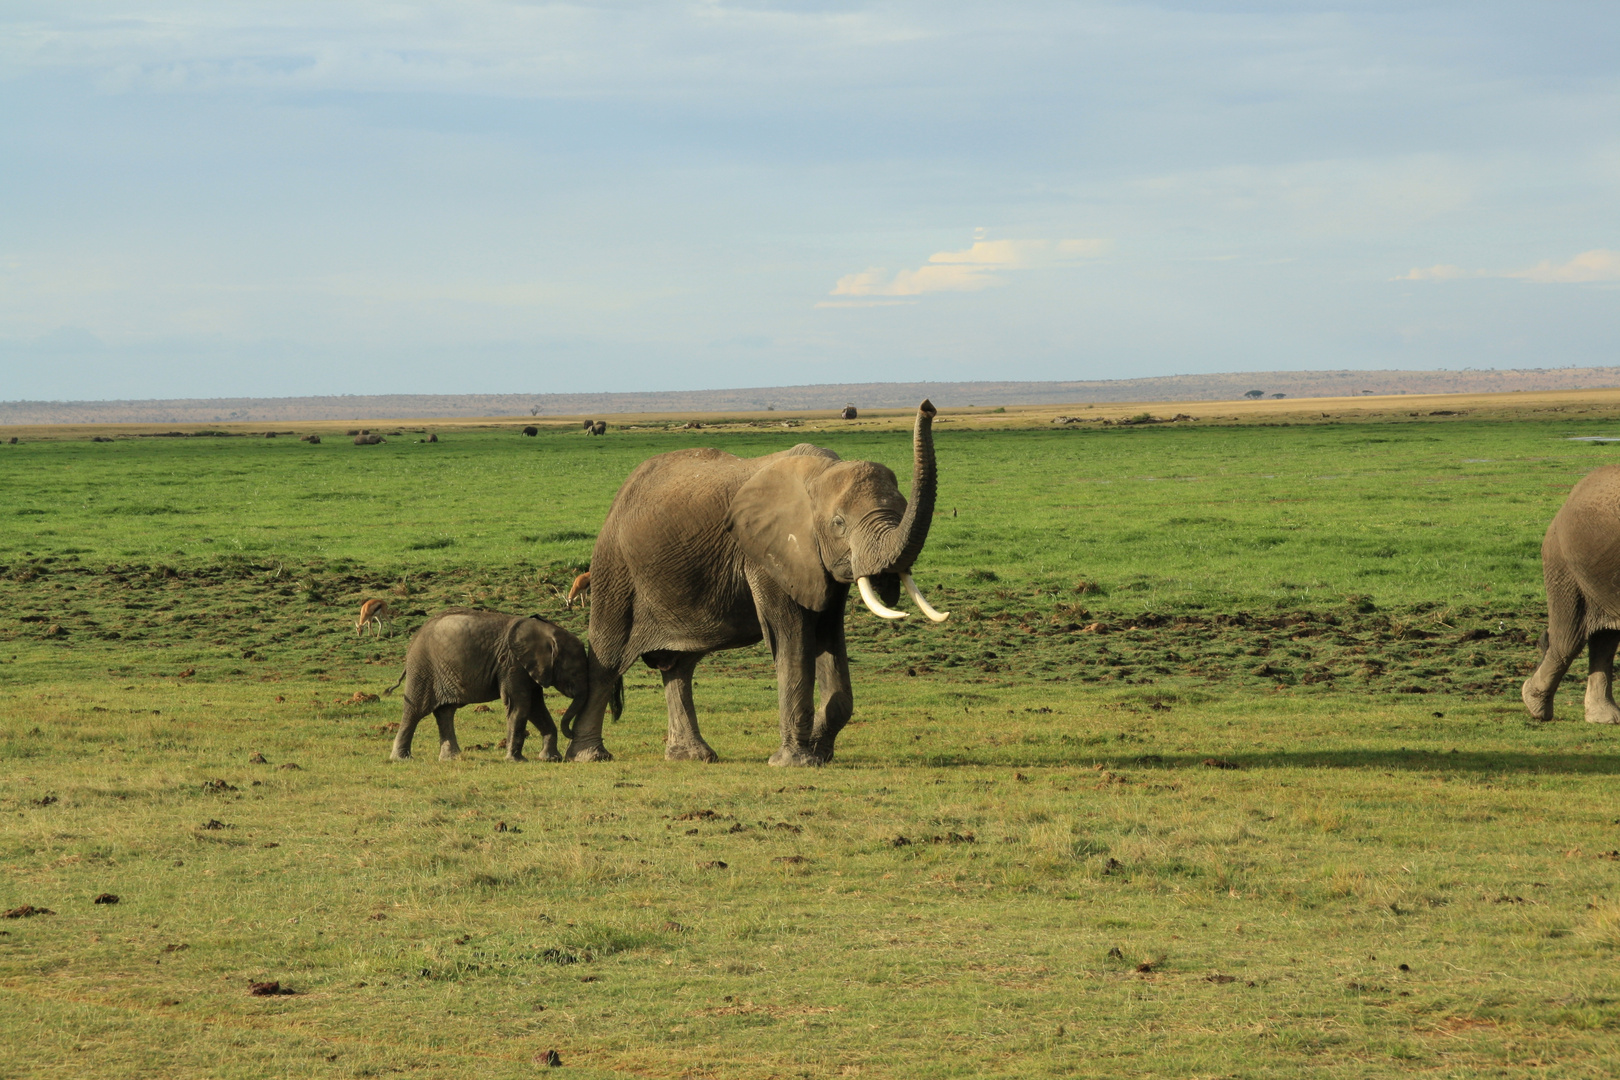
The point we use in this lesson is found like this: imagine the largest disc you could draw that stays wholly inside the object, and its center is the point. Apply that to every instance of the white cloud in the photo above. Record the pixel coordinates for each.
(1438, 272)
(971, 270)
(1599, 264)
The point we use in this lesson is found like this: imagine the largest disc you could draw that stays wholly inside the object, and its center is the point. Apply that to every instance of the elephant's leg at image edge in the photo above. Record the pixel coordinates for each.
(1566, 617)
(1599, 705)
(684, 742)
(449, 749)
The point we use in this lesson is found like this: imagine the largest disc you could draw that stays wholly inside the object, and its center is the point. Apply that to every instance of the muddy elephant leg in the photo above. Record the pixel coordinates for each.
(1566, 619)
(1600, 706)
(449, 749)
(684, 741)
(792, 640)
(407, 728)
(832, 681)
(586, 743)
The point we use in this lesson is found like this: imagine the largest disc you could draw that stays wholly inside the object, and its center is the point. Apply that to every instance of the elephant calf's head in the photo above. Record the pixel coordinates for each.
(554, 657)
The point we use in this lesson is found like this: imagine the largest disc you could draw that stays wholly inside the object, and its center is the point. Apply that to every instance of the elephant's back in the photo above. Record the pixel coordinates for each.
(455, 653)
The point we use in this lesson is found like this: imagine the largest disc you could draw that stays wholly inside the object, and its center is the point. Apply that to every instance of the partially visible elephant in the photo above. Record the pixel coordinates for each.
(461, 657)
(368, 440)
(1580, 563)
(596, 427)
(704, 551)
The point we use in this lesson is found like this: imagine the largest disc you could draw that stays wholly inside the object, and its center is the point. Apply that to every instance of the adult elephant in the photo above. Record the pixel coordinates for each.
(704, 551)
(1580, 563)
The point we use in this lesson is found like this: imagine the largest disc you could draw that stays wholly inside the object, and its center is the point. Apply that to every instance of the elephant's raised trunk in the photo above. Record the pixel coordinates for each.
(905, 543)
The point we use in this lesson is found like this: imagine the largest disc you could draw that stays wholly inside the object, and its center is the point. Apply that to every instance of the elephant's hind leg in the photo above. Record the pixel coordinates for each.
(1566, 617)
(449, 749)
(684, 742)
(1600, 706)
(407, 728)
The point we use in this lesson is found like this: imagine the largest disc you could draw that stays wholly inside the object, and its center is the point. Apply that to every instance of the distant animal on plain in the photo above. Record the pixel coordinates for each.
(531, 431)
(1580, 565)
(578, 589)
(599, 427)
(588, 425)
(849, 413)
(368, 440)
(372, 614)
(313, 440)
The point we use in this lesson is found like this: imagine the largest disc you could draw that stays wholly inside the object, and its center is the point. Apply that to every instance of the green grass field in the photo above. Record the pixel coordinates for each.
(1218, 769)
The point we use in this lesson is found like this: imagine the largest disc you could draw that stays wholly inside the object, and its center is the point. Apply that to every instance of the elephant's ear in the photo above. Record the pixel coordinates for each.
(773, 521)
(534, 648)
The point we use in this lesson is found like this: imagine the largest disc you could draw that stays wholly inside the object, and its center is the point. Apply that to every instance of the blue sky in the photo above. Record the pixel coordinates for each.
(216, 199)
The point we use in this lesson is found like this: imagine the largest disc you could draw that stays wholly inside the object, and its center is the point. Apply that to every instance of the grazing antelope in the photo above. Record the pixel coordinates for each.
(578, 589)
(372, 613)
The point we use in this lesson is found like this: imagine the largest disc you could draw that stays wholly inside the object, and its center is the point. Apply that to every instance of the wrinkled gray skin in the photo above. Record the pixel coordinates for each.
(704, 551)
(1580, 562)
(461, 657)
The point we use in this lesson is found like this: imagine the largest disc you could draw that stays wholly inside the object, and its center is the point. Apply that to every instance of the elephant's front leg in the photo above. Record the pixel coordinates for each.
(795, 650)
(585, 744)
(832, 680)
(449, 749)
(684, 741)
(1600, 706)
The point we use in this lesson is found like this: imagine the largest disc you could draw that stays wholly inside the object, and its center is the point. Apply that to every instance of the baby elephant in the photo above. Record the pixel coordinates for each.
(460, 657)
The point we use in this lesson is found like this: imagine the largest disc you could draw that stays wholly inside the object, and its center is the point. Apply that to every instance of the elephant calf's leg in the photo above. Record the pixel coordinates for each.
(684, 742)
(1600, 706)
(449, 749)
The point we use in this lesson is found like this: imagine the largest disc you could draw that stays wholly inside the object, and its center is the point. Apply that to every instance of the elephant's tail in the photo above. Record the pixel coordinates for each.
(616, 702)
(401, 679)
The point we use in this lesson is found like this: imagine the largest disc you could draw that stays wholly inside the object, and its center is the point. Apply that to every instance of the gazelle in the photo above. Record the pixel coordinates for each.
(372, 613)
(578, 589)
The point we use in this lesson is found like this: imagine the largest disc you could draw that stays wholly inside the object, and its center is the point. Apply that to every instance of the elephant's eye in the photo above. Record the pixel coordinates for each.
(838, 523)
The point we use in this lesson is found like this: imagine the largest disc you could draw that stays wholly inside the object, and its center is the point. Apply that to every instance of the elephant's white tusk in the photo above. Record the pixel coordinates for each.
(921, 601)
(874, 603)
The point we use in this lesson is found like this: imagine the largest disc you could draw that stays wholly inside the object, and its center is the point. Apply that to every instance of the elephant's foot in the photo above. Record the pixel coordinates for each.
(692, 751)
(797, 757)
(589, 752)
(1602, 712)
(1537, 703)
(449, 752)
(399, 755)
(510, 756)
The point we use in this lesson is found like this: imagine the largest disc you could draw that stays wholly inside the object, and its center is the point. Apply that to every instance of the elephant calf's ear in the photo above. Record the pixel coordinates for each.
(773, 520)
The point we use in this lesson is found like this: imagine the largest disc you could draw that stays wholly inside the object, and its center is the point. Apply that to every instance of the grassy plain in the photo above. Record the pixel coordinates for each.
(1217, 770)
